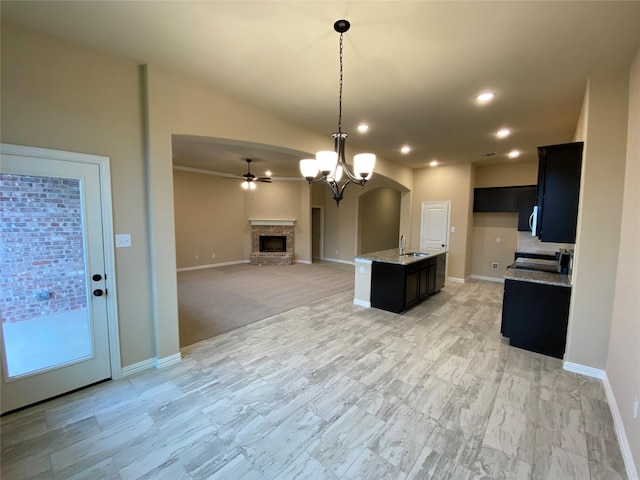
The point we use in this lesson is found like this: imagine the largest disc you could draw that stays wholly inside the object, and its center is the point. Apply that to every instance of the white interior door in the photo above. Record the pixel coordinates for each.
(55, 332)
(434, 229)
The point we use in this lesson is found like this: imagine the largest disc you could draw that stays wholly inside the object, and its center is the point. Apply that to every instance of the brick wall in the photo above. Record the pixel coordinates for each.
(41, 247)
(271, 258)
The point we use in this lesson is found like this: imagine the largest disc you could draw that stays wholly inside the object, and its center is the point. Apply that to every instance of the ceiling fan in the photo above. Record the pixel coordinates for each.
(250, 178)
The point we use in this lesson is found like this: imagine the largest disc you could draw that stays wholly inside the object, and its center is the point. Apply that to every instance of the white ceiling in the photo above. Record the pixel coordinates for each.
(412, 68)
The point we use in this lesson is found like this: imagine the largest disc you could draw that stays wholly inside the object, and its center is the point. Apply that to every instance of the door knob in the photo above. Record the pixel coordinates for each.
(96, 277)
(98, 292)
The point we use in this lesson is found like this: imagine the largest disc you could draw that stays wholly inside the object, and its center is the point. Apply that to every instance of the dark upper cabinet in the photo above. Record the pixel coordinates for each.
(495, 199)
(559, 191)
(526, 201)
(484, 199)
(507, 199)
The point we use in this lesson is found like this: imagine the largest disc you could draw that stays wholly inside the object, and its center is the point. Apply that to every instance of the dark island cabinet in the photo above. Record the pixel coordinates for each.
(559, 169)
(535, 316)
(396, 287)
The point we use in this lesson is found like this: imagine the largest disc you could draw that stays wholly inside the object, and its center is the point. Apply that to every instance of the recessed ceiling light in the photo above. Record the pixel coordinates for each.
(503, 133)
(485, 97)
(363, 127)
(434, 163)
(406, 149)
(268, 173)
(514, 154)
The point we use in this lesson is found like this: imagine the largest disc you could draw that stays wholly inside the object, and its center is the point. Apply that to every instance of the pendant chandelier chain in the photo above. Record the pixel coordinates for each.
(340, 97)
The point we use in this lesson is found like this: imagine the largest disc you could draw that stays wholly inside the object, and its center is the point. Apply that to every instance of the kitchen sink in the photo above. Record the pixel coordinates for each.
(414, 254)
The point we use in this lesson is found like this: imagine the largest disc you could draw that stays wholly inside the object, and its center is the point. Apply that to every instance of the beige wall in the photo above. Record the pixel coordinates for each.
(599, 220)
(623, 360)
(447, 183)
(61, 96)
(487, 227)
(507, 175)
(210, 219)
(212, 216)
(379, 220)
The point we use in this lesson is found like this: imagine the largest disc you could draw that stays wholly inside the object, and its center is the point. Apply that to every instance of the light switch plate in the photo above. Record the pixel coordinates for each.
(123, 240)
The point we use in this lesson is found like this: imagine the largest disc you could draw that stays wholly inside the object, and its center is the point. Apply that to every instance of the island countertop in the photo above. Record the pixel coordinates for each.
(393, 256)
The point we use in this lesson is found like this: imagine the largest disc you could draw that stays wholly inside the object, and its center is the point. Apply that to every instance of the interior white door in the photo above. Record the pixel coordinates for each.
(434, 229)
(55, 332)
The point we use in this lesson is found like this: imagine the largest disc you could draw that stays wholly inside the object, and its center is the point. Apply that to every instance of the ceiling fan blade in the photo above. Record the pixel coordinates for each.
(263, 179)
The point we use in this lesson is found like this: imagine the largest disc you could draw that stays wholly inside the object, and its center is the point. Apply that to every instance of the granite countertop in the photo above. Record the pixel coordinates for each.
(393, 256)
(555, 279)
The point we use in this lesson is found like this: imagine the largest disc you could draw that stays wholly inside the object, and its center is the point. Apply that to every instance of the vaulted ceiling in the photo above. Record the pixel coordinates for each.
(412, 69)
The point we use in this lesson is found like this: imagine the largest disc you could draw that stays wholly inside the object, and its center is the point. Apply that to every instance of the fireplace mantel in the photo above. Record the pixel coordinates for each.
(269, 223)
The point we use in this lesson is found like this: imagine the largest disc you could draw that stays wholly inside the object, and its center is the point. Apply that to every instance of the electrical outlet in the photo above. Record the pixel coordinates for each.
(498, 239)
(495, 266)
(635, 408)
(197, 257)
(213, 255)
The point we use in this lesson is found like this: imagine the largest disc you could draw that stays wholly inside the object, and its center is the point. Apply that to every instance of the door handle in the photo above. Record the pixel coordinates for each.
(98, 292)
(96, 277)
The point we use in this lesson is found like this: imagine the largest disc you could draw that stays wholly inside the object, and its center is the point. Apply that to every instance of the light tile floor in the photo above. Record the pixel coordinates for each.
(332, 390)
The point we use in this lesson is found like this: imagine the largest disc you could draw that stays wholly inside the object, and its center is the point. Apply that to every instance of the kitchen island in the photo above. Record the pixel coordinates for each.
(394, 281)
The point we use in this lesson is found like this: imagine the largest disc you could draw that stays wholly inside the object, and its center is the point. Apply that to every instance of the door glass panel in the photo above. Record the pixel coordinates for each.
(43, 291)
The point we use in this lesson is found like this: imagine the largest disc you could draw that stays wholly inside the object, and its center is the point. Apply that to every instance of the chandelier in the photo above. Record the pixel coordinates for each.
(332, 165)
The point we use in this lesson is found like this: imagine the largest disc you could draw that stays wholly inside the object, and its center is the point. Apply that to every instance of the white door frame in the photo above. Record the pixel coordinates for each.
(424, 205)
(103, 164)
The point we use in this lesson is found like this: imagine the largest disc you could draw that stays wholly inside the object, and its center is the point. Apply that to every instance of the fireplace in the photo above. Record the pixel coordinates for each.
(273, 243)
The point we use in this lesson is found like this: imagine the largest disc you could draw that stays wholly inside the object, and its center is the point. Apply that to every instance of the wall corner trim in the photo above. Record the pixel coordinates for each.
(629, 464)
(150, 363)
(583, 370)
(361, 303)
(167, 361)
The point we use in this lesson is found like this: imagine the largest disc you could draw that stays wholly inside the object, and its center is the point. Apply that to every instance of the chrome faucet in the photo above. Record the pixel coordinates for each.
(403, 243)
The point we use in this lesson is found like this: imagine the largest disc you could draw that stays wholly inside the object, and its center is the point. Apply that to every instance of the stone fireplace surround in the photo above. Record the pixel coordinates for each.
(271, 227)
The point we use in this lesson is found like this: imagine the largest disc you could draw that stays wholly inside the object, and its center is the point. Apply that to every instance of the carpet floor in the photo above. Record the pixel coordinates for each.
(217, 300)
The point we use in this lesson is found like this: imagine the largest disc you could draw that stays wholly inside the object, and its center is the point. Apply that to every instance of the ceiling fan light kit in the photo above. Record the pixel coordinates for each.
(331, 165)
(249, 182)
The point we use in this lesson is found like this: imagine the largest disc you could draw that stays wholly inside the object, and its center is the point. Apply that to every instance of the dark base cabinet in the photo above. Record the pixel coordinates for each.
(535, 315)
(397, 287)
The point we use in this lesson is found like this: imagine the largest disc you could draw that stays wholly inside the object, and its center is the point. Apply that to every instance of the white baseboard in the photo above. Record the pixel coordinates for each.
(632, 472)
(583, 370)
(150, 363)
(336, 260)
(167, 361)
(211, 265)
(362, 303)
(138, 367)
(489, 279)
(307, 262)
(455, 280)
(629, 464)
